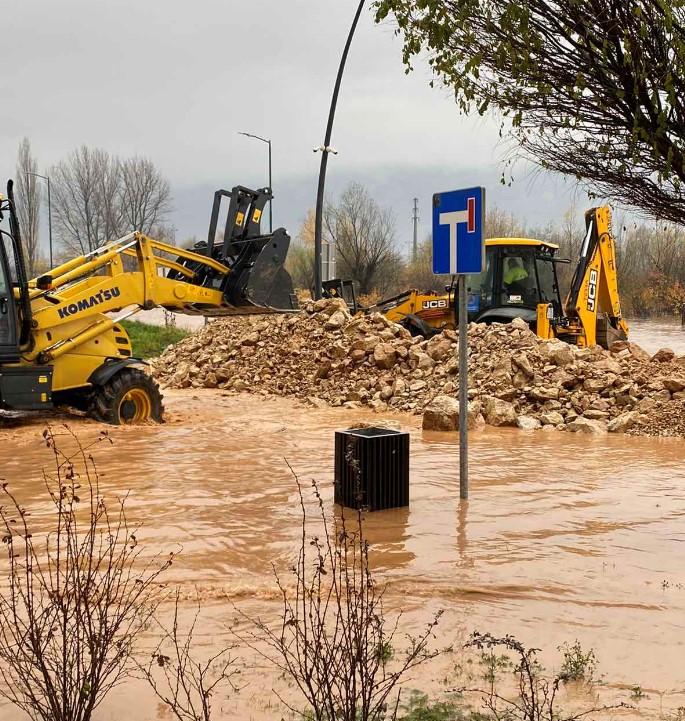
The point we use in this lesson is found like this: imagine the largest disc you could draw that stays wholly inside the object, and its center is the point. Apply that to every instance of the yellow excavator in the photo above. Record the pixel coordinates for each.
(61, 338)
(520, 281)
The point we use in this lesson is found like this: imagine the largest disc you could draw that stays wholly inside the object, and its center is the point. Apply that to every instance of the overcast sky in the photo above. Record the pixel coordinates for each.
(175, 80)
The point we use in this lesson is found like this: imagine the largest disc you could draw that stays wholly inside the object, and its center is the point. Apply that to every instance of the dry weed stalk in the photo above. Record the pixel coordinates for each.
(333, 639)
(179, 679)
(75, 597)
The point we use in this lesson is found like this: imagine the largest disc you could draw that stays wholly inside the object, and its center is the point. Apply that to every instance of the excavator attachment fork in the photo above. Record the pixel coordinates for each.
(257, 281)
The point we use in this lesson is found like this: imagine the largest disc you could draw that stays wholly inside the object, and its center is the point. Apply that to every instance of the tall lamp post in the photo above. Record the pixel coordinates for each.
(325, 149)
(46, 178)
(271, 210)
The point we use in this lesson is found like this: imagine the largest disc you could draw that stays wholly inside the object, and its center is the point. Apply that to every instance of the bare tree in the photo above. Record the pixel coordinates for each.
(28, 204)
(182, 680)
(144, 195)
(364, 236)
(81, 184)
(333, 639)
(76, 597)
(99, 197)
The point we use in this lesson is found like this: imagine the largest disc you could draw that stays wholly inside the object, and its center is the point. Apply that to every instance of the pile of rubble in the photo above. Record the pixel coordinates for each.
(327, 357)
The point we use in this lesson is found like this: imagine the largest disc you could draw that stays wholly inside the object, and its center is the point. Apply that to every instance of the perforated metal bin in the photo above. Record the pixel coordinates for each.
(372, 468)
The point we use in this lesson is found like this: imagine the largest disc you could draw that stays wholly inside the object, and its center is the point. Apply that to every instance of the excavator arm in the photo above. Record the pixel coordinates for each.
(593, 306)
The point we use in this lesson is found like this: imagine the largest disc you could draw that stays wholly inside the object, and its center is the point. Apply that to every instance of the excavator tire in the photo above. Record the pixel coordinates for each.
(129, 397)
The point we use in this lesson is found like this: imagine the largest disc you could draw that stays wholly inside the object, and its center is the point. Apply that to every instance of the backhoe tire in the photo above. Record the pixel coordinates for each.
(129, 397)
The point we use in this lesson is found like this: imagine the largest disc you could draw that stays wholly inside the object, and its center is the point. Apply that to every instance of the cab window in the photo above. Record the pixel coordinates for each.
(548, 290)
(518, 278)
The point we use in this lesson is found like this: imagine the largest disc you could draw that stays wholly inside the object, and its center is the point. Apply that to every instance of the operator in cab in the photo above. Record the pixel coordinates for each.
(515, 272)
(517, 278)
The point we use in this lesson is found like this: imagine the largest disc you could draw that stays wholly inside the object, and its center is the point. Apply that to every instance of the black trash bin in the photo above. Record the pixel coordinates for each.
(372, 468)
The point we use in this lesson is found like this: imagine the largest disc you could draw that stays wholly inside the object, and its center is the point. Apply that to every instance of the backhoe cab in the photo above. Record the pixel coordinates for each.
(519, 275)
(61, 338)
(520, 280)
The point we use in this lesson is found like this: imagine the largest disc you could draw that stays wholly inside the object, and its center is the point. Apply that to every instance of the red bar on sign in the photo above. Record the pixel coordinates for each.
(471, 207)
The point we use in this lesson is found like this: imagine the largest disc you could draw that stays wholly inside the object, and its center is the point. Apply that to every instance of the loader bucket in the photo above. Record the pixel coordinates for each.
(256, 281)
(259, 280)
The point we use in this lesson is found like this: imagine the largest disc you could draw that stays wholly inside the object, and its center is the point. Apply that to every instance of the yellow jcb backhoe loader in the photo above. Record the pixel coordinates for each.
(59, 341)
(520, 281)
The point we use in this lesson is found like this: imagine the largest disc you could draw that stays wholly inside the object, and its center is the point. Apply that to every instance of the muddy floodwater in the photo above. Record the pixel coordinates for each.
(565, 537)
(653, 334)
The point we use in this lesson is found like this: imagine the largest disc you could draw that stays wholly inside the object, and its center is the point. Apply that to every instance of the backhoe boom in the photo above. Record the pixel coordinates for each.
(593, 306)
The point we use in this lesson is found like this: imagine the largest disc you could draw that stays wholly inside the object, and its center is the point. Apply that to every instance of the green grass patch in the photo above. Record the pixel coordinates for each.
(150, 340)
(420, 708)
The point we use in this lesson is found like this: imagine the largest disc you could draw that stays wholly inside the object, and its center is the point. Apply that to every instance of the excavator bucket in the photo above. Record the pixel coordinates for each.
(258, 281)
(268, 283)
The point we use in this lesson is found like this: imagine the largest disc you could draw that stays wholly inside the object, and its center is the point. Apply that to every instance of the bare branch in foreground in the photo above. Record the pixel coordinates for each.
(75, 598)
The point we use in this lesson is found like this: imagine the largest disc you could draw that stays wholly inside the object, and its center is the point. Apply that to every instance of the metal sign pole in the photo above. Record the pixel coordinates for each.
(463, 391)
(459, 249)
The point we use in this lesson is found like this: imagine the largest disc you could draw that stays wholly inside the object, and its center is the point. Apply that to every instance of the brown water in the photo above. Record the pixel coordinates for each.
(564, 537)
(653, 334)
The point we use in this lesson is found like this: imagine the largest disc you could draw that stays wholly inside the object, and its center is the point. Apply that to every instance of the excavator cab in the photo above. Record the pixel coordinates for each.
(15, 310)
(519, 275)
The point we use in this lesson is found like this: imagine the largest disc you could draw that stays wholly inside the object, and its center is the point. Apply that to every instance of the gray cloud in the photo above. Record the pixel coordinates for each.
(175, 80)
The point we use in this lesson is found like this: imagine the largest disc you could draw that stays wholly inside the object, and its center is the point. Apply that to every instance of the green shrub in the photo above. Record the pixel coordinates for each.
(578, 665)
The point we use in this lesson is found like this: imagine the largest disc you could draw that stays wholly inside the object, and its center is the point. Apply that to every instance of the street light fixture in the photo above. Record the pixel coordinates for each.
(271, 210)
(46, 178)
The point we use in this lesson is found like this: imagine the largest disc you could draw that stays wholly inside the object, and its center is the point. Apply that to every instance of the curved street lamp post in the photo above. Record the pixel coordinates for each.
(325, 149)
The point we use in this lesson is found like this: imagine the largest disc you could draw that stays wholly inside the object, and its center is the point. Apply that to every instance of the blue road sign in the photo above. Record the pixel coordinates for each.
(458, 220)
